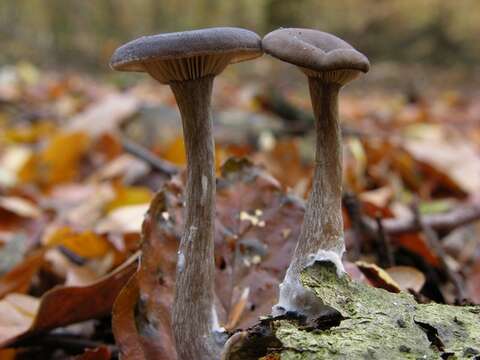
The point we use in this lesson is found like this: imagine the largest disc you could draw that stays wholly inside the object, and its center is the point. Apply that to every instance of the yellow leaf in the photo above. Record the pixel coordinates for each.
(130, 195)
(86, 244)
(30, 134)
(59, 161)
(175, 152)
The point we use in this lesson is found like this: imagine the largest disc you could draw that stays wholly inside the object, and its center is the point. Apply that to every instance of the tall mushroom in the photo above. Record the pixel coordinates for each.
(329, 63)
(188, 62)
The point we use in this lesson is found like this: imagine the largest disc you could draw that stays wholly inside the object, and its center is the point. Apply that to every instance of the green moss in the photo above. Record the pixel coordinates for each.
(379, 324)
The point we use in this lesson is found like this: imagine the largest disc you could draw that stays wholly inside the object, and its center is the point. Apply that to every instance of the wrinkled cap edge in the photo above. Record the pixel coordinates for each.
(283, 45)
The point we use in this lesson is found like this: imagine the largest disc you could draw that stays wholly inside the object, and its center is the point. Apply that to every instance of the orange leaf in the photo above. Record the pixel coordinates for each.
(175, 152)
(59, 161)
(85, 244)
(130, 195)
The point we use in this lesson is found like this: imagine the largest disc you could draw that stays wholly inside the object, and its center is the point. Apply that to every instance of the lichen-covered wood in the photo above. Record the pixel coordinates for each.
(373, 324)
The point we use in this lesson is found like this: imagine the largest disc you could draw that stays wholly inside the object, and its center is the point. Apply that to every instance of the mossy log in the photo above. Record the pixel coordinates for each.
(362, 322)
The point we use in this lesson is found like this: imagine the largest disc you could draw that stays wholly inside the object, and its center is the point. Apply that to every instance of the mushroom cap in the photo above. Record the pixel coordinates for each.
(314, 50)
(239, 44)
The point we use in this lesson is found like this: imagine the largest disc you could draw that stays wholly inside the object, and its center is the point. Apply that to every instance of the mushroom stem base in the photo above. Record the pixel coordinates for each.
(322, 229)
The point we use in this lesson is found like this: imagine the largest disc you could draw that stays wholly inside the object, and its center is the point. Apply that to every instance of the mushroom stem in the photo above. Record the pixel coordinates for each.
(321, 236)
(193, 312)
(323, 225)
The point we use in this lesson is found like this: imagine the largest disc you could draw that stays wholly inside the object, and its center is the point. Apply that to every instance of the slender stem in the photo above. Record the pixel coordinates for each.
(323, 225)
(194, 296)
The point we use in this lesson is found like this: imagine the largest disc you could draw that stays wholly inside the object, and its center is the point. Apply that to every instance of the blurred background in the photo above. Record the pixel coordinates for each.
(83, 34)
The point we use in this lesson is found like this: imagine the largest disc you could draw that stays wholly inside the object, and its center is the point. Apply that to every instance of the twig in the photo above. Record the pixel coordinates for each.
(352, 205)
(462, 215)
(146, 155)
(68, 342)
(298, 121)
(386, 254)
(436, 246)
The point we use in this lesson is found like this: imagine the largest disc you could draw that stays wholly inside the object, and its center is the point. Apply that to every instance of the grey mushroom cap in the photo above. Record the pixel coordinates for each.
(236, 43)
(314, 50)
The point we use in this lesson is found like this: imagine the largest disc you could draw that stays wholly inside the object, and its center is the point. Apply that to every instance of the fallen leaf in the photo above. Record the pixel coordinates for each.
(58, 162)
(125, 166)
(449, 158)
(407, 277)
(86, 244)
(124, 324)
(18, 279)
(63, 306)
(17, 313)
(84, 205)
(100, 353)
(12, 160)
(126, 219)
(105, 115)
(378, 277)
(129, 195)
(19, 206)
(12, 253)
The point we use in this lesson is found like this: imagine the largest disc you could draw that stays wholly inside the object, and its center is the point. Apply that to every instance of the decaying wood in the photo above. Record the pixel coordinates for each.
(363, 323)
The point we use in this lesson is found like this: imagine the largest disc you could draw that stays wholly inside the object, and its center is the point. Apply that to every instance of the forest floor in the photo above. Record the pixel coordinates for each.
(81, 160)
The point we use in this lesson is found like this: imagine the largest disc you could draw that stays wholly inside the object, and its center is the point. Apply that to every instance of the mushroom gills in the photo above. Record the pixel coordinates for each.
(188, 68)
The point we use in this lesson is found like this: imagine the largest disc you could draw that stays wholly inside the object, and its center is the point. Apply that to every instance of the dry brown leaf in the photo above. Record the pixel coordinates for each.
(100, 353)
(124, 323)
(407, 277)
(105, 115)
(378, 277)
(18, 279)
(63, 306)
(448, 157)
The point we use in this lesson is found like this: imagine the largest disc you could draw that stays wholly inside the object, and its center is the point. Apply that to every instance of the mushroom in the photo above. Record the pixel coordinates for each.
(329, 63)
(188, 62)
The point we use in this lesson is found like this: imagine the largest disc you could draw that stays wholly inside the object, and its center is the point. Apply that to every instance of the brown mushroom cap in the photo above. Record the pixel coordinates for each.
(189, 54)
(314, 51)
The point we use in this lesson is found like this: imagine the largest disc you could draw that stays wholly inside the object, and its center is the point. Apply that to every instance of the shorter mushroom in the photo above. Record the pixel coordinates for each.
(188, 62)
(329, 63)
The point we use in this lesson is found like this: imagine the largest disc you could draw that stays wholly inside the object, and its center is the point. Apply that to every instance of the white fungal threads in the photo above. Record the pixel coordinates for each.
(327, 255)
(253, 219)
(181, 262)
(165, 216)
(204, 181)
(294, 297)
